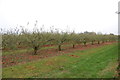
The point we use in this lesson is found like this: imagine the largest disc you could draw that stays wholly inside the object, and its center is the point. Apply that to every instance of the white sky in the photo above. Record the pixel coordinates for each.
(78, 15)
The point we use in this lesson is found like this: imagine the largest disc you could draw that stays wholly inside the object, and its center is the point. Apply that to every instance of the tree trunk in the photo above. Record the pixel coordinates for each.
(85, 43)
(19, 43)
(92, 42)
(59, 47)
(73, 46)
(98, 42)
(35, 50)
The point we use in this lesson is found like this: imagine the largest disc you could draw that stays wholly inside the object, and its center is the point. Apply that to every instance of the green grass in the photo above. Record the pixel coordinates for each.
(19, 51)
(15, 51)
(99, 62)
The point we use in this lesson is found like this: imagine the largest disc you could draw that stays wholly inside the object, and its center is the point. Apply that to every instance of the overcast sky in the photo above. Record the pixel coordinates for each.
(78, 15)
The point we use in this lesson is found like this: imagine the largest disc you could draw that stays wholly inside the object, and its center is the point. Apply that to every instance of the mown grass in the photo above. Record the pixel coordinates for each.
(19, 51)
(100, 62)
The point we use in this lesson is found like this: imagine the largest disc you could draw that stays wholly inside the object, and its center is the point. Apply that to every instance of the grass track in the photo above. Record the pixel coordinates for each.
(20, 51)
(98, 62)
